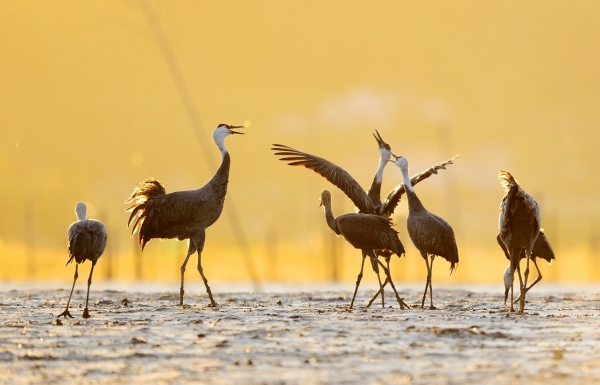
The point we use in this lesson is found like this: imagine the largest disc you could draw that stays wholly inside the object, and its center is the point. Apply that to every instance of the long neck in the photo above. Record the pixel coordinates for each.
(414, 203)
(330, 219)
(221, 178)
(375, 190)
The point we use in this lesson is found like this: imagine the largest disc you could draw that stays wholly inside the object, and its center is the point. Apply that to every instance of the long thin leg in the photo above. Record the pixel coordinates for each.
(389, 279)
(427, 283)
(431, 307)
(539, 278)
(199, 241)
(191, 250)
(519, 274)
(387, 260)
(86, 313)
(66, 312)
(358, 279)
(374, 264)
(524, 285)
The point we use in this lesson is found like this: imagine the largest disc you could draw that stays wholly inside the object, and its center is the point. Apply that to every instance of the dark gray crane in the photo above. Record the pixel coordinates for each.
(87, 241)
(430, 234)
(519, 223)
(368, 233)
(541, 249)
(182, 214)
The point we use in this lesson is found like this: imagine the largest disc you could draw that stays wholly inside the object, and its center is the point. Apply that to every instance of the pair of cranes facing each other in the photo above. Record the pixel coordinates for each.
(370, 230)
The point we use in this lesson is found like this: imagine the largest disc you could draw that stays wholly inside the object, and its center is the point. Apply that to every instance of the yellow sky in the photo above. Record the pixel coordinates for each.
(89, 107)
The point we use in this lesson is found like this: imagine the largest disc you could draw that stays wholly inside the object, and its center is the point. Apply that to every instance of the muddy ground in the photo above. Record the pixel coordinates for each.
(298, 337)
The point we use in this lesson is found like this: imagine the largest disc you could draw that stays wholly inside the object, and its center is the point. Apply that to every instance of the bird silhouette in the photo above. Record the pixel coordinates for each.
(519, 224)
(87, 241)
(182, 214)
(368, 233)
(430, 234)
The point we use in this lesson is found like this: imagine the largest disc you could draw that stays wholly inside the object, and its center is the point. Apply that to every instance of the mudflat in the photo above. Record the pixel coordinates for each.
(298, 337)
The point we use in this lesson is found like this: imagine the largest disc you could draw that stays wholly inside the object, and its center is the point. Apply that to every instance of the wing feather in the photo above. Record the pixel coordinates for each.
(333, 173)
(393, 198)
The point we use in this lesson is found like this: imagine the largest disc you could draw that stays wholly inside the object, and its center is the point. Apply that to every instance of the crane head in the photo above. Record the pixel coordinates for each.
(325, 198)
(400, 162)
(230, 128)
(383, 146)
(81, 210)
(507, 282)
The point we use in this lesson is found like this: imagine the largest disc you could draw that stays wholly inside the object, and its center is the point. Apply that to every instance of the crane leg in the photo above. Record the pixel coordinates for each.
(358, 279)
(424, 255)
(191, 250)
(389, 279)
(524, 285)
(86, 313)
(374, 264)
(199, 247)
(431, 307)
(384, 284)
(539, 278)
(66, 312)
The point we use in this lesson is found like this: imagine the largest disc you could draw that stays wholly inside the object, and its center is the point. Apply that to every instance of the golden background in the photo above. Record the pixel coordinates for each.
(96, 96)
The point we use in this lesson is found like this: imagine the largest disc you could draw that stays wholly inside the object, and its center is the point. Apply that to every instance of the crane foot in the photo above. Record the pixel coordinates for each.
(212, 304)
(65, 314)
(432, 307)
(86, 313)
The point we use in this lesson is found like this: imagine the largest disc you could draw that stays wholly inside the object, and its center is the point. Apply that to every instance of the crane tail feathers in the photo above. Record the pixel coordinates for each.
(506, 180)
(453, 267)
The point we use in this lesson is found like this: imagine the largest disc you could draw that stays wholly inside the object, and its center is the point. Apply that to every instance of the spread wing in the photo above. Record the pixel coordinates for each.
(334, 174)
(393, 198)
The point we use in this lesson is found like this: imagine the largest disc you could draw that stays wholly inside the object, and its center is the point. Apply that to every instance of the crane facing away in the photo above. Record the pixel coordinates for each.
(87, 241)
(541, 249)
(182, 214)
(430, 234)
(368, 233)
(519, 223)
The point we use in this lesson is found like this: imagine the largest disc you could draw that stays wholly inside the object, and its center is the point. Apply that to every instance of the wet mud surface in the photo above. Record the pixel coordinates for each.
(298, 338)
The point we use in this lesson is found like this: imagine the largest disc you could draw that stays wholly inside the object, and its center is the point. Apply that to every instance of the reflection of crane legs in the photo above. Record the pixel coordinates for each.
(66, 312)
(86, 313)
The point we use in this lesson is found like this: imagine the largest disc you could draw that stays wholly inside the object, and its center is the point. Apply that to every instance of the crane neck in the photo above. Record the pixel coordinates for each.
(329, 218)
(414, 203)
(375, 190)
(221, 178)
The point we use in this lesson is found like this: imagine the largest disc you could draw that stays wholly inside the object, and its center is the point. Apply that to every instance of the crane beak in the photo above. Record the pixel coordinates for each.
(320, 203)
(235, 132)
(379, 139)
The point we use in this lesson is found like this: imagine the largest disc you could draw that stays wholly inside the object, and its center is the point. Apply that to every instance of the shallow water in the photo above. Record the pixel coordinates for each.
(298, 337)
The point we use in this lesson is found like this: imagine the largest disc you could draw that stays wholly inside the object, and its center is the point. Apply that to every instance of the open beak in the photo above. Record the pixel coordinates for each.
(235, 132)
(379, 139)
